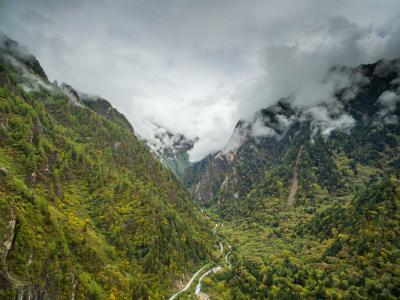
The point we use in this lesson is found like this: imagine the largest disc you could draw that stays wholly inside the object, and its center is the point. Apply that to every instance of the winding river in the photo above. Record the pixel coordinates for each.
(198, 286)
(189, 283)
(213, 270)
(226, 257)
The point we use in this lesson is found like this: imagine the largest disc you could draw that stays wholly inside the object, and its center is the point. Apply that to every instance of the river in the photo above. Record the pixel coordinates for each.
(215, 269)
(188, 284)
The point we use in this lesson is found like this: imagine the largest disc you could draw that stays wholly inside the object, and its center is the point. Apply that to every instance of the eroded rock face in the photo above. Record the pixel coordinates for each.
(8, 240)
(212, 179)
(5, 246)
(116, 145)
(203, 296)
(4, 171)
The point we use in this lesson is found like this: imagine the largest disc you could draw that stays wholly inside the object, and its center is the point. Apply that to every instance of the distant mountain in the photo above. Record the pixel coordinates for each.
(169, 148)
(86, 212)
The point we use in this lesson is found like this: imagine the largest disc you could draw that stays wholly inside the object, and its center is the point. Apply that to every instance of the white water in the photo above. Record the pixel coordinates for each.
(198, 286)
(215, 269)
(215, 228)
(188, 285)
(226, 257)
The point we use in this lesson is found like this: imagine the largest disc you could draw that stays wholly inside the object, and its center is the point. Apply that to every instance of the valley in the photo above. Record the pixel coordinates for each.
(200, 274)
(308, 214)
(302, 202)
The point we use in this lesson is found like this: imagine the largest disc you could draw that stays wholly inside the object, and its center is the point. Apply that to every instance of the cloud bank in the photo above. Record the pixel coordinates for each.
(197, 67)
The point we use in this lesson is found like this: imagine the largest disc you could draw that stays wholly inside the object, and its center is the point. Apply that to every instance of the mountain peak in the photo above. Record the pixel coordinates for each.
(12, 48)
(171, 149)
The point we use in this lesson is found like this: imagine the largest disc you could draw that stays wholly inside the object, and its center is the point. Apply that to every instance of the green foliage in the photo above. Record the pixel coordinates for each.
(341, 237)
(90, 219)
(349, 251)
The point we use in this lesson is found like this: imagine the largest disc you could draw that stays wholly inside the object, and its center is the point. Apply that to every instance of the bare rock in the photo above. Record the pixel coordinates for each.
(4, 171)
(116, 145)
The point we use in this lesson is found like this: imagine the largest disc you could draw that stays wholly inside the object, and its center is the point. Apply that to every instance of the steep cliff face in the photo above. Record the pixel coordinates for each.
(212, 179)
(86, 211)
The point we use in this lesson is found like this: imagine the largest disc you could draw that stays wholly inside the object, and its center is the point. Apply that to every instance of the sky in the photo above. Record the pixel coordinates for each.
(196, 67)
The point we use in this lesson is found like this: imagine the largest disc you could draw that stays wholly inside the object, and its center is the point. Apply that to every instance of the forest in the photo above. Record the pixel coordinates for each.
(86, 210)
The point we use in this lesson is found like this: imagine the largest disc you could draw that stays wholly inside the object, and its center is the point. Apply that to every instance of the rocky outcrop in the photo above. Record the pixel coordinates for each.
(116, 145)
(4, 171)
(212, 179)
(6, 242)
(295, 182)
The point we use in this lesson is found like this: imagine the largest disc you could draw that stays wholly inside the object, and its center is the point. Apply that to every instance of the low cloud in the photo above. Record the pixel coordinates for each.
(259, 129)
(323, 120)
(197, 67)
(27, 80)
(308, 70)
(302, 67)
(389, 100)
(202, 147)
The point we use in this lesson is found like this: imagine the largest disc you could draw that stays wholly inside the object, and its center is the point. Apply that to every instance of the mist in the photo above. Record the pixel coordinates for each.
(197, 67)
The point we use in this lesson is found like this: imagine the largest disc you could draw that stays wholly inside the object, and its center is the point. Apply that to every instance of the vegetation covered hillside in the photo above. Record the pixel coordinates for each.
(86, 211)
(309, 196)
(344, 251)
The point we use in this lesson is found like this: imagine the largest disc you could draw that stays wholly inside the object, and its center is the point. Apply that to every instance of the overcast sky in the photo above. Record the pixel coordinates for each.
(197, 66)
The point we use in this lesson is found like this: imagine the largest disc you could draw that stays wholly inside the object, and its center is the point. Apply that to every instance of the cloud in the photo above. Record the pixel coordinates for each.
(197, 67)
(306, 69)
(300, 67)
(389, 101)
(259, 129)
(27, 80)
(204, 146)
(323, 120)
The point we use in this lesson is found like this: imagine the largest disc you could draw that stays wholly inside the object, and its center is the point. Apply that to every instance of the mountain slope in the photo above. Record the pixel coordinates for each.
(336, 235)
(86, 210)
(353, 141)
(348, 252)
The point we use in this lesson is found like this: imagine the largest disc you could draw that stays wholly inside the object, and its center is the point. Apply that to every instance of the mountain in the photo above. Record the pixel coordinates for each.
(171, 149)
(361, 129)
(304, 200)
(309, 196)
(86, 210)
